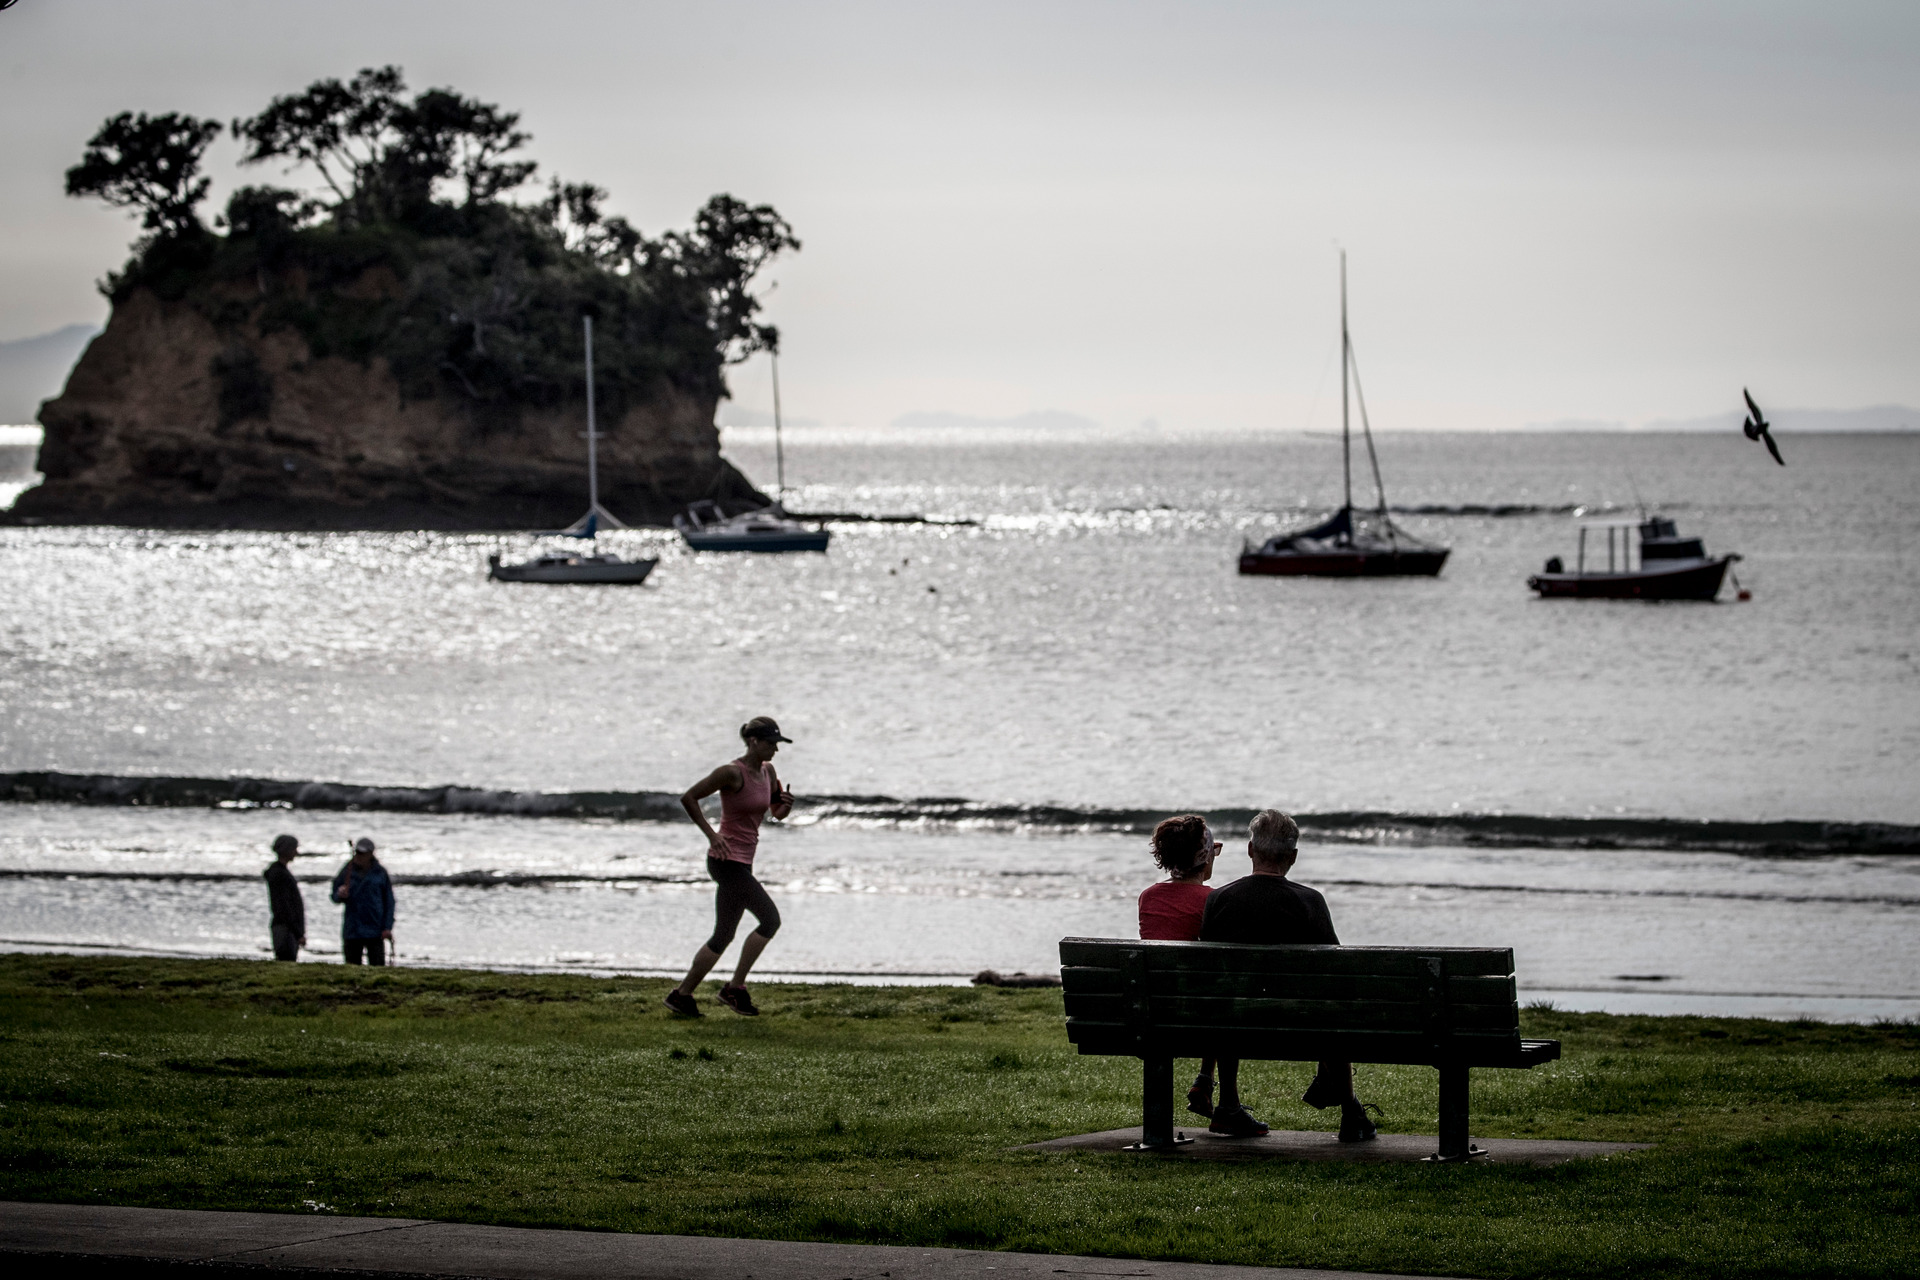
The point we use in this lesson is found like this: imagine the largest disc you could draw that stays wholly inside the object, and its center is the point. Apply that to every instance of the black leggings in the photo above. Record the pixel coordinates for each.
(738, 891)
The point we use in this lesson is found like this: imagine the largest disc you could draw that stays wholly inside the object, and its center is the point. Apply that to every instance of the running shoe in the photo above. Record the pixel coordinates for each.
(1354, 1124)
(1200, 1097)
(1236, 1122)
(737, 999)
(684, 1005)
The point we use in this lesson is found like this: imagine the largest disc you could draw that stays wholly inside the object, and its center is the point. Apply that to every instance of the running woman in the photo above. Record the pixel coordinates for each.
(749, 790)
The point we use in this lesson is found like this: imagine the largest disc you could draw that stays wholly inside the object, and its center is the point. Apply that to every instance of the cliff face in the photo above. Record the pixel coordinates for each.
(170, 421)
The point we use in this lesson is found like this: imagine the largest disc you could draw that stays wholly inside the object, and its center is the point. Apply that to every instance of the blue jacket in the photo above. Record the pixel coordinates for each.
(369, 903)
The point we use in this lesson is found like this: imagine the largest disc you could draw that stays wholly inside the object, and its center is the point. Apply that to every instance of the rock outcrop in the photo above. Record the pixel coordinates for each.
(170, 421)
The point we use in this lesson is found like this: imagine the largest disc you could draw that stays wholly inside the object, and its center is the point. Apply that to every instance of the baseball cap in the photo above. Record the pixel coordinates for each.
(363, 845)
(763, 727)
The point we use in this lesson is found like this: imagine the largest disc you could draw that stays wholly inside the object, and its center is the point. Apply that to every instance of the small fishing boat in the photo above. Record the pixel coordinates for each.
(707, 528)
(596, 566)
(1351, 543)
(1666, 566)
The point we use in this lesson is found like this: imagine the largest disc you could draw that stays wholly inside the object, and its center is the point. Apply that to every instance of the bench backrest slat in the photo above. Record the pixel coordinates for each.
(1414, 1003)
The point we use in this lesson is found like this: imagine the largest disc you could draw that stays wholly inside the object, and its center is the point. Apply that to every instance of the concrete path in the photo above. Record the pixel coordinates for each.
(69, 1239)
(1388, 1148)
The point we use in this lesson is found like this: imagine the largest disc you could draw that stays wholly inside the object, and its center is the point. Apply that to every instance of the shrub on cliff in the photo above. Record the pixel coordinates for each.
(414, 250)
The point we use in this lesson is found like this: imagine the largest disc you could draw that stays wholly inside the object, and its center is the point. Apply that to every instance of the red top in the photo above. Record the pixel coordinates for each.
(1170, 911)
(741, 811)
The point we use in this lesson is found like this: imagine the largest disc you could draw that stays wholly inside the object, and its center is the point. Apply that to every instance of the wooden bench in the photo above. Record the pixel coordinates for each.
(1451, 1008)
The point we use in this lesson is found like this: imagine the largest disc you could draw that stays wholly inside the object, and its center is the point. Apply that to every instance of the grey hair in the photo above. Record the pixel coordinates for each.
(1275, 836)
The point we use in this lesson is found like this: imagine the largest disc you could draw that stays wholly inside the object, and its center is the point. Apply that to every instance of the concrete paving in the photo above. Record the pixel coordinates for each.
(69, 1239)
(1388, 1148)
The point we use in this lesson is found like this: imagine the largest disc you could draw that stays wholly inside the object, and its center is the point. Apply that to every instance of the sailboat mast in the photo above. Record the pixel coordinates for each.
(593, 432)
(1346, 358)
(779, 454)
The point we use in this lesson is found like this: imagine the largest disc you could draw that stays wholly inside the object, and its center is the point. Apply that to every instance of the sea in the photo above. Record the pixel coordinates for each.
(1680, 807)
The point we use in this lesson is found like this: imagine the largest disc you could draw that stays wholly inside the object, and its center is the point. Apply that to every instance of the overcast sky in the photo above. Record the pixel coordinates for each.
(1610, 211)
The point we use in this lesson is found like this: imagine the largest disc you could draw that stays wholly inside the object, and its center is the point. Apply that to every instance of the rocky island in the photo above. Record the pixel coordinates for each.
(402, 347)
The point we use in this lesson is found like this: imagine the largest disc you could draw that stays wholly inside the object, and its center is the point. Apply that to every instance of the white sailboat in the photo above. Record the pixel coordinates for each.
(594, 566)
(707, 528)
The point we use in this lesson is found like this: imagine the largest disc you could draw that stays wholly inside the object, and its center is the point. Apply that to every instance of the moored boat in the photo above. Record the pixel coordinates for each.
(1351, 543)
(560, 567)
(707, 528)
(584, 567)
(1667, 566)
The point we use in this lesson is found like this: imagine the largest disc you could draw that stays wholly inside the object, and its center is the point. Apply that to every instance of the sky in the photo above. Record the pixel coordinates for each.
(1131, 213)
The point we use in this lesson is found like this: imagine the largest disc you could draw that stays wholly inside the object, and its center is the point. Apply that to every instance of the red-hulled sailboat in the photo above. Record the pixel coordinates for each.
(1350, 543)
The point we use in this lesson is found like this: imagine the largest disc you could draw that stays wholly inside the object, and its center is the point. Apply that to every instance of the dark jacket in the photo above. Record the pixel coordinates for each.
(1271, 910)
(283, 892)
(369, 901)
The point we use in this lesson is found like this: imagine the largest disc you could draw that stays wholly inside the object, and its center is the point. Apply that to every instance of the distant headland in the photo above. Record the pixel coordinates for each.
(401, 345)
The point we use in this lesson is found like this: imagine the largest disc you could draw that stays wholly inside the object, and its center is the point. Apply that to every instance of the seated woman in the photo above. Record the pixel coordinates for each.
(1172, 909)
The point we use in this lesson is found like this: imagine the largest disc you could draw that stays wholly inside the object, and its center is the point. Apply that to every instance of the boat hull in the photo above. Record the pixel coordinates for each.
(1343, 564)
(809, 540)
(625, 573)
(1697, 581)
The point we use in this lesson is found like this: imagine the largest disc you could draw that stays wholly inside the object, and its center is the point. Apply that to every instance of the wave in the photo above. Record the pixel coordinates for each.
(1495, 830)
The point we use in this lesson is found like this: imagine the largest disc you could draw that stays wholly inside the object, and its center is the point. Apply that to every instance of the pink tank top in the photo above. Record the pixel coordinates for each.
(742, 810)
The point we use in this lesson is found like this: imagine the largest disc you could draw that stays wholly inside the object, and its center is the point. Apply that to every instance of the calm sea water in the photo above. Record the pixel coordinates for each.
(1088, 644)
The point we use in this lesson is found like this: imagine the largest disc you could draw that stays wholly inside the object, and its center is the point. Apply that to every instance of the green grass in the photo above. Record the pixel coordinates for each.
(886, 1115)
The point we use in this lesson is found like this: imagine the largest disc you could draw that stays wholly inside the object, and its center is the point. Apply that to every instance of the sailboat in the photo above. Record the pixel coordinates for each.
(594, 566)
(707, 528)
(1351, 543)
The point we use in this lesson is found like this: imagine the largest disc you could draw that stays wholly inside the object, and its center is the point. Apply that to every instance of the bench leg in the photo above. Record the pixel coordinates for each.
(1454, 1142)
(1156, 1102)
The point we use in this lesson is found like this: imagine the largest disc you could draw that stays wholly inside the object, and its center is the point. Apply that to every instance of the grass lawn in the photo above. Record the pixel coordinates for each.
(884, 1115)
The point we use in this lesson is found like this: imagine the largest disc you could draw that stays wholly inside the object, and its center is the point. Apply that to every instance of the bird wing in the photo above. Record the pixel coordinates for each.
(1758, 417)
(1773, 448)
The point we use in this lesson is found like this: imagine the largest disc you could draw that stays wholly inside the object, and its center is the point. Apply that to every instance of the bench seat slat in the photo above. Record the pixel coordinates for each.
(1323, 986)
(1305, 1045)
(1228, 1014)
(1227, 957)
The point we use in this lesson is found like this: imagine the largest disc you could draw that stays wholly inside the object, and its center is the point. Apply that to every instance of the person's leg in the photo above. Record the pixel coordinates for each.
(351, 949)
(1229, 1083)
(1332, 1086)
(285, 945)
(749, 952)
(377, 951)
(729, 903)
(766, 923)
(1231, 1118)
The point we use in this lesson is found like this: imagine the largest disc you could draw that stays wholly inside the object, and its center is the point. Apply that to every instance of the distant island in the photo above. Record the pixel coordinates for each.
(399, 346)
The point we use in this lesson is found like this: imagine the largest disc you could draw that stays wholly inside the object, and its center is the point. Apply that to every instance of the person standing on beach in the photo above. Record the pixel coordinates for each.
(288, 927)
(749, 790)
(1171, 909)
(366, 927)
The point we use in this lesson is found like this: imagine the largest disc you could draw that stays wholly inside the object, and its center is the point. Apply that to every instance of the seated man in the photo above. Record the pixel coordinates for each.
(1269, 909)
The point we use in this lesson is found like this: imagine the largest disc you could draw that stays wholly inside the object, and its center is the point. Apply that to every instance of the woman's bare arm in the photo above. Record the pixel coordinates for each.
(782, 800)
(725, 778)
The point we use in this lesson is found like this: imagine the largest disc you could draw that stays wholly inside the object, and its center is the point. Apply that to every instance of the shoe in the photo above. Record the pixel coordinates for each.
(684, 1005)
(737, 999)
(1324, 1093)
(1236, 1122)
(1200, 1097)
(1354, 1124)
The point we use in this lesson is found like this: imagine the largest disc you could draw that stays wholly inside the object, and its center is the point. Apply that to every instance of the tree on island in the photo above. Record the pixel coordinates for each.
(474, 295)
(148, 163)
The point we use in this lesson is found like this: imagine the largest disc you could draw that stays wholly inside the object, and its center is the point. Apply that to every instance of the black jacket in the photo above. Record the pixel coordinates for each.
(289, 908)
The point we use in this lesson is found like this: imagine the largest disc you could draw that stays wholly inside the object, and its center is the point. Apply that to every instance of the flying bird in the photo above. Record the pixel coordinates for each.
(1758, 428)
